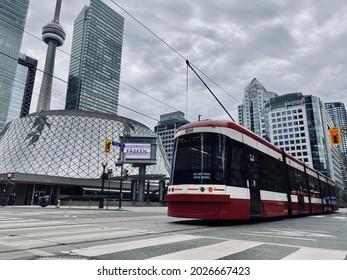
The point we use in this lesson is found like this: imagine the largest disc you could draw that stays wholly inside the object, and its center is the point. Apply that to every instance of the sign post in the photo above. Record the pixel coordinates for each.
(122, 159)
(121, 164)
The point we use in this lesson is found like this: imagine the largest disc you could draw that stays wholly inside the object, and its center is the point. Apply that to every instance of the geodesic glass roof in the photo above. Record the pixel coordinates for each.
(70, 144)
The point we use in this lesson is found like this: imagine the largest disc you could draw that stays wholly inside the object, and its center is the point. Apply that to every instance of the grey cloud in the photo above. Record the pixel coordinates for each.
(287, 45)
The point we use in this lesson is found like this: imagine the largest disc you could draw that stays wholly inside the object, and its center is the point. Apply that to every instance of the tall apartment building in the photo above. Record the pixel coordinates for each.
(294, 122)
(288, 125)
(337, 113)
(250, 112)
(299, 125)
(22, 88)
(95, 63)
(166, 129)
(12, 21)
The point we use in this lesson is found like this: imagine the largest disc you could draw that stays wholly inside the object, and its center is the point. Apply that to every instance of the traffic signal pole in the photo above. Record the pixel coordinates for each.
(122, 155)
(101, 198)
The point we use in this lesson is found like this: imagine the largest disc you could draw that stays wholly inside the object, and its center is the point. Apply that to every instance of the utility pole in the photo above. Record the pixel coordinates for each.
(103, 177)
(122, 158)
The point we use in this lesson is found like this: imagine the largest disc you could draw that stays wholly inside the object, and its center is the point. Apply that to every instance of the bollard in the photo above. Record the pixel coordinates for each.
(58, 204)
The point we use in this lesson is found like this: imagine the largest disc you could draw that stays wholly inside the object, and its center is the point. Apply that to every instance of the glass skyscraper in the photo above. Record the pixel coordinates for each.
(12, 21)
(337, 113)
(95, 62)
(166, 129)
(250, 116)
(298, 124)
(22, 88)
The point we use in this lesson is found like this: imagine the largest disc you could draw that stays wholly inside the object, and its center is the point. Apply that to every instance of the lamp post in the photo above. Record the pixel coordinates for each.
(103, 177)
(7, 188)
(122, 177)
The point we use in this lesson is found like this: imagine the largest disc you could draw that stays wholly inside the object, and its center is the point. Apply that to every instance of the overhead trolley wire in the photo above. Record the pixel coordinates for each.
(174, 50)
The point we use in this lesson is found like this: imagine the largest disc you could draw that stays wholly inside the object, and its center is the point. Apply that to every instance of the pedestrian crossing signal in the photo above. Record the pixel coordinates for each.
(335, 136)
(107, 146)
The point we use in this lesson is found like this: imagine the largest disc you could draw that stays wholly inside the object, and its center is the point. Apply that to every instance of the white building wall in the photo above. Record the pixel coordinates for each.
(289, 131)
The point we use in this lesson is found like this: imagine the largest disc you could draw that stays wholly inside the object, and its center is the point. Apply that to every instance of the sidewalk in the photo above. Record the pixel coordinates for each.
(343, 210)
(145, 208)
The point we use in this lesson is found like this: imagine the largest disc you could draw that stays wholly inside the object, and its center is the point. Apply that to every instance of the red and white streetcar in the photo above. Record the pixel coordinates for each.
(221, 170)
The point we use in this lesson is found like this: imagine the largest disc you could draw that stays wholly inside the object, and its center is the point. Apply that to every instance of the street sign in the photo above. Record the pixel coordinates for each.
(343, 130)
(118, 144)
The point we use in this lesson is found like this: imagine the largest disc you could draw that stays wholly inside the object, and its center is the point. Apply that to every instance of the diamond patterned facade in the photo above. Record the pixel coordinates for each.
(70, 144)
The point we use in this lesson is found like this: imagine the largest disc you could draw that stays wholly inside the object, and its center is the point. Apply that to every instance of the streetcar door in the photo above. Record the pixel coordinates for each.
(254, 187)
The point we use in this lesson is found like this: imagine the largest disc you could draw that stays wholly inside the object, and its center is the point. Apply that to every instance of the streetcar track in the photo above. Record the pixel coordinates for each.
(74, 245)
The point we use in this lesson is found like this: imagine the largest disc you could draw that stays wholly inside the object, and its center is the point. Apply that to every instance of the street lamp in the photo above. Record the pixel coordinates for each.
(122, 177)
(103, 177)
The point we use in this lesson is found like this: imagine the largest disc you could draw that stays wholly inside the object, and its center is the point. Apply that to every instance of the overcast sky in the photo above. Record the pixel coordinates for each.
(289, 46)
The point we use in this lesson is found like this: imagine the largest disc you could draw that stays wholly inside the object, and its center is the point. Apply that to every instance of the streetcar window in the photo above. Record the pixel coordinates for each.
(272, 173)
(325, 189)
(207, 158)
(314, 187)
(297, 181)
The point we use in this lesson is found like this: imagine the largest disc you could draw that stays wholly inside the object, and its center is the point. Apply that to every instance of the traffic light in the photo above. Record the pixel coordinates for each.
(107, 146)
(125, 173)
(335, 137)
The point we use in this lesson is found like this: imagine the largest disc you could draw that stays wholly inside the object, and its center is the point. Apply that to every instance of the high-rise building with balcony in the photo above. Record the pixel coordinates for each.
(95, 63)
(250, 112)
(12, 21)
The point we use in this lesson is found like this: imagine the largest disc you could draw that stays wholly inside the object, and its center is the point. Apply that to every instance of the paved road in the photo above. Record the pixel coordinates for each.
(147, 233)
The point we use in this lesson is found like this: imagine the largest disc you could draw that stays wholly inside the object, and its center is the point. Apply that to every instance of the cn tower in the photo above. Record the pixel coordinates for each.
(53, 35)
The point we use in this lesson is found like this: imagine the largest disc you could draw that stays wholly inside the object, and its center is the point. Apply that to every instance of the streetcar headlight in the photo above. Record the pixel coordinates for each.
(202, 189)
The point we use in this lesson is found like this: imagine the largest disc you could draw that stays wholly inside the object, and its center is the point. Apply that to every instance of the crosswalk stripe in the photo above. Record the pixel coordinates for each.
(96, 236)
(131, 245)
(31, 235)
(27, 223)
(306, 253)
(39, 253)
(11, 219)
(211, 252)
(23, 243)
(65, 236)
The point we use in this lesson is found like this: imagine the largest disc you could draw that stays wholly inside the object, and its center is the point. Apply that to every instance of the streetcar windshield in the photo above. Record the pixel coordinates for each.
(200, 158)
